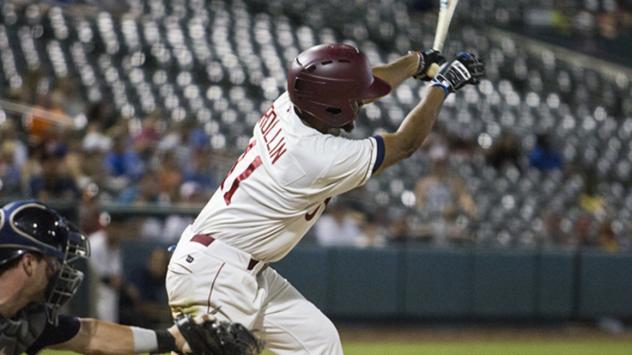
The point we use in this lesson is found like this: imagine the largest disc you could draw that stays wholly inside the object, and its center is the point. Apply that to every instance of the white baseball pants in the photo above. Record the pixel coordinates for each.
(215, 279)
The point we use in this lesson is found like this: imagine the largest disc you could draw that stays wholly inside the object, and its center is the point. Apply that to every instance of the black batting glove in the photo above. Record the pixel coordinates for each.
(426, 59)
(465, 69)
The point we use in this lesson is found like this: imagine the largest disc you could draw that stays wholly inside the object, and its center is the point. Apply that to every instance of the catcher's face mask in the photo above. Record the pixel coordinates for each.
(66, 280)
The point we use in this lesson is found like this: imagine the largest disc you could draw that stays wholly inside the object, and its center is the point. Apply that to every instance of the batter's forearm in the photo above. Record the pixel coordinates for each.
(416, 127)
(395, 72)
(414, 130)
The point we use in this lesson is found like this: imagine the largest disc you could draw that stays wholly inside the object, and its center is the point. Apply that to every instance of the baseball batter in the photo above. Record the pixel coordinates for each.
(293, 165)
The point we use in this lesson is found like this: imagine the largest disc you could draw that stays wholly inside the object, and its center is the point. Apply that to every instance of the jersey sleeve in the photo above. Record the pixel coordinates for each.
(66, 329)
(352, 163)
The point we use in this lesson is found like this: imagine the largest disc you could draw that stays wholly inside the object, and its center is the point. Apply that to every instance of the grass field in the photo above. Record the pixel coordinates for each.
(570, 339)
(492, 348)
(481, 348)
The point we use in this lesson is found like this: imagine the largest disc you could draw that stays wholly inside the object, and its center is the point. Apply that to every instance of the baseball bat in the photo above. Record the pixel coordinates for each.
(446, 10)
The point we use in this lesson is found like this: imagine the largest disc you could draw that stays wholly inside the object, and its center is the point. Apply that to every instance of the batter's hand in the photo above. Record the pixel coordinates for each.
(426, 59)
(205, 335)
(465, 69)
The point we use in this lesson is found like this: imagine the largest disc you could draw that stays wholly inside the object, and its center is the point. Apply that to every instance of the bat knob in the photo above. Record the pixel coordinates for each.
(432, 71)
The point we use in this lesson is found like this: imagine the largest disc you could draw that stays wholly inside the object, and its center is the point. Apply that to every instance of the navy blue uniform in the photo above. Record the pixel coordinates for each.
(29, 332)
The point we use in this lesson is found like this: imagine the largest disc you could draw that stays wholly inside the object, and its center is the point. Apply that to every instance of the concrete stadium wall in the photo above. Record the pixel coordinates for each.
(480, 284)
(427, 283)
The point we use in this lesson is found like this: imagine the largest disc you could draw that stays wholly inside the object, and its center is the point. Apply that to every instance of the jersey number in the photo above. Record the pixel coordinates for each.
(228, 195)
(256, 162)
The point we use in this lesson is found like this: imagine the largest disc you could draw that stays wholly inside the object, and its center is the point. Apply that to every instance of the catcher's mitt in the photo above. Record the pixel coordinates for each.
(209, 336)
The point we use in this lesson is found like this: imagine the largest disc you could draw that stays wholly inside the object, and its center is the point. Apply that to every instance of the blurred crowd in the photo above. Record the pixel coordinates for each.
(62, 150)
(128, 288)
(590, 18)
(446, 211)
(597, 27)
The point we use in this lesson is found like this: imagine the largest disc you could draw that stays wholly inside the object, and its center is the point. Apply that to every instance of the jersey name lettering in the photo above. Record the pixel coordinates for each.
(272, 135)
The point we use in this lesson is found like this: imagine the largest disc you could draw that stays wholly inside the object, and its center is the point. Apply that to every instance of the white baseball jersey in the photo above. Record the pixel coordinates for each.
(280, 185)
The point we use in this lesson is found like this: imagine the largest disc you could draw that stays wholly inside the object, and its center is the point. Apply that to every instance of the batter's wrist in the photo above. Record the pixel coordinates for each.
(441, 84)
(417, 63)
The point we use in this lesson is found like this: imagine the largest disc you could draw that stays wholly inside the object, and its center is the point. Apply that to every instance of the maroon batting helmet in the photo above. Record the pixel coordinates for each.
(327, 81)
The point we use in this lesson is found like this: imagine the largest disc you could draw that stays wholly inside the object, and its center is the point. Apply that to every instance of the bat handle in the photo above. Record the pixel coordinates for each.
(432, 71)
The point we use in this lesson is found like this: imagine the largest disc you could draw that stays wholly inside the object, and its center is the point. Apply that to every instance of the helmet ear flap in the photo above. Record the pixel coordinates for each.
(298, 84)
(349, 127)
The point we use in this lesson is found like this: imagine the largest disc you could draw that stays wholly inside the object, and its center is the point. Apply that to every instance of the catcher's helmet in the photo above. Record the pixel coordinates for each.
(30, 226)
(328, 81)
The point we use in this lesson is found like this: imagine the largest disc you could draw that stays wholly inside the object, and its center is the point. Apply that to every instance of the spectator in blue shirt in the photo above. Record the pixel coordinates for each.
(123, 162)
(201, 172)
(544, 156)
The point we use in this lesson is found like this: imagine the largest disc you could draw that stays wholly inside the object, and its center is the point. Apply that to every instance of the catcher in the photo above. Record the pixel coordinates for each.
(37, 251)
